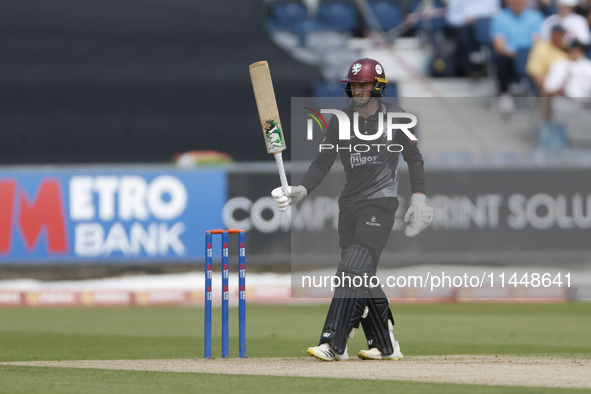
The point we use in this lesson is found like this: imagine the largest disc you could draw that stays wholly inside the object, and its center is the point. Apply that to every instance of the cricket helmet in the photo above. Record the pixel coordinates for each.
(365, 71)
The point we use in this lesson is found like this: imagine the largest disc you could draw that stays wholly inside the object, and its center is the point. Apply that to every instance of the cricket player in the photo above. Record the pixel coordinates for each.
(367, 206)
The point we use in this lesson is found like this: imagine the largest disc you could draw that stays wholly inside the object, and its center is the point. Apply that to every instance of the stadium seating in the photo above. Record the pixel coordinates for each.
(552, 136)
(327, 89)
(338, 15)
(436, 22)
(524, 84)
(287, 15)
(388, 13)
(455, 159)
(482, 31)
(293, 16)
(499, 159)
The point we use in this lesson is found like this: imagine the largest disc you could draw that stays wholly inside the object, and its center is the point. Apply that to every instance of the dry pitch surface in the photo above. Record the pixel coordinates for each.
(487, 370)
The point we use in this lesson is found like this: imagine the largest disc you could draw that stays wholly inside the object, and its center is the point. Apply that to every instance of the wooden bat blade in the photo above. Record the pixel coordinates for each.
(264, 95)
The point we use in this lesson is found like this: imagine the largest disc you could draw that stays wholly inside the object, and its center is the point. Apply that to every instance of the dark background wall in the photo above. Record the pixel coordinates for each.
(135, 81)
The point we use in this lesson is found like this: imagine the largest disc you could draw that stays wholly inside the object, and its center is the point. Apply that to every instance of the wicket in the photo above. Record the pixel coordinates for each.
(225, 292)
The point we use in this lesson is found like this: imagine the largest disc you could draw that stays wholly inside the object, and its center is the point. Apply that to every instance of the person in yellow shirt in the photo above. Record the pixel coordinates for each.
(542, 56)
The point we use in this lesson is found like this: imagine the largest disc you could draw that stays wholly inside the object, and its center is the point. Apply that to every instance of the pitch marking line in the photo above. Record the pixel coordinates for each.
(485, 370)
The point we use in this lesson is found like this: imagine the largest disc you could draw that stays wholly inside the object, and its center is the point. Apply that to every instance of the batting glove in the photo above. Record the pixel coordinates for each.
(293, 195)
(418, 216)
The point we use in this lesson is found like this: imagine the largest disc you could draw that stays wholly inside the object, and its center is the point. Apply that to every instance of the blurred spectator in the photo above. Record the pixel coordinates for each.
(569, 84)
(584, 9)
(546, 7)
(513, 29)
(461, 17)
(576, 25)
(543, 54)
(570, 77)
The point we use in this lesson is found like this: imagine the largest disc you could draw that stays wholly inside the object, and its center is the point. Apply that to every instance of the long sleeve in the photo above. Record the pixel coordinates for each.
(321, 165)
(414, 160)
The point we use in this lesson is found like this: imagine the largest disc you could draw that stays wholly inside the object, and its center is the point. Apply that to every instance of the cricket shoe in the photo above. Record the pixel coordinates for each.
(375, 354)
(324, 352)
(506, 103)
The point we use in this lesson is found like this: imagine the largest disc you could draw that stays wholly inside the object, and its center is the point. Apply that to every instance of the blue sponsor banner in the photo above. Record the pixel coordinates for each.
(88, 215)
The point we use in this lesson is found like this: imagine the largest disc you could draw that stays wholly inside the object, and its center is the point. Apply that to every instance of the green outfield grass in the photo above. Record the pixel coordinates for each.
(559, 330)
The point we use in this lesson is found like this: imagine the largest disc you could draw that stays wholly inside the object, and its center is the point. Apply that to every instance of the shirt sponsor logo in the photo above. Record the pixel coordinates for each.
(373, 222)
(357, 159)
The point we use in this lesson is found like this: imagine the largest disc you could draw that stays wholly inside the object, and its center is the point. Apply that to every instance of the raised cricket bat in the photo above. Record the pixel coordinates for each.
(269, 114)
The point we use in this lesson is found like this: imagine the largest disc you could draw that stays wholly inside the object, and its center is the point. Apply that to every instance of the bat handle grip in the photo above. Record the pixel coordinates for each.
(281, 168)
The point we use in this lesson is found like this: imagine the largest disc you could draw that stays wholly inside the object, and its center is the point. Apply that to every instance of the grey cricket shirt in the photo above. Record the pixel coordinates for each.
(371, 169)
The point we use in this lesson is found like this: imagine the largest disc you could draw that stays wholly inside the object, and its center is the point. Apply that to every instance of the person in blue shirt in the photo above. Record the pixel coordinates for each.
(513, 30)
